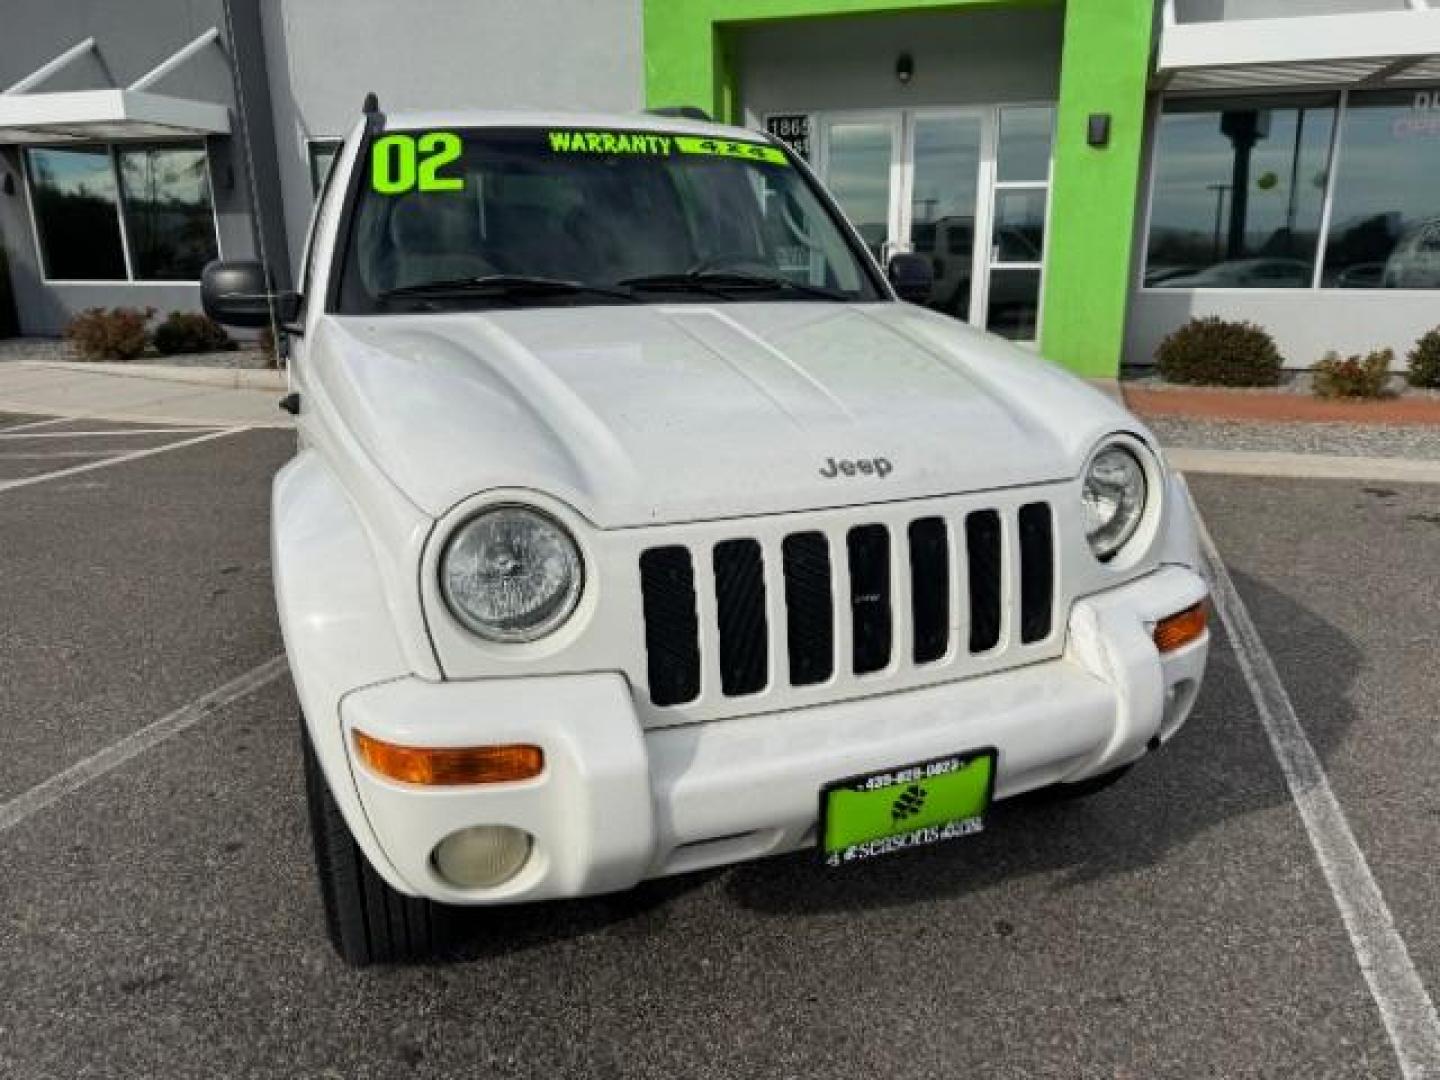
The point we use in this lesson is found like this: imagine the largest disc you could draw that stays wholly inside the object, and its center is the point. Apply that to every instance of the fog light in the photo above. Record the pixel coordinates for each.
(483, 856)
(1181, 628)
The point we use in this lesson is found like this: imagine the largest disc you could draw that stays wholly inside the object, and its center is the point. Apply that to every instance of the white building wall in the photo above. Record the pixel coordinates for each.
(1305, 325)
(961, 58)
(323, 58)
(1192, 11)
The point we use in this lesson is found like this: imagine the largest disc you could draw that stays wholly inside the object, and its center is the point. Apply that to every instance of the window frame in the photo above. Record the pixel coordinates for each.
(318, 184)
(111, 153)
(1336, 151)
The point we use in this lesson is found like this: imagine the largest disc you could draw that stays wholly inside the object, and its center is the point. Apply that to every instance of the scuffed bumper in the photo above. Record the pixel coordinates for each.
(617, 804)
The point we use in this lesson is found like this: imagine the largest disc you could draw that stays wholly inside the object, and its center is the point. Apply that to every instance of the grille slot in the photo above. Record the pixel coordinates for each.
(740, 605)
(868, 547)
(672, 631)
(794, 619)
(982, 547)
(1037, 572)
(929, 588)
(809, 607)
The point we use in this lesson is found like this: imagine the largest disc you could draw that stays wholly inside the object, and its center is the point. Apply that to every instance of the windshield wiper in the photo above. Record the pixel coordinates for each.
(503, 286)
(722, 282)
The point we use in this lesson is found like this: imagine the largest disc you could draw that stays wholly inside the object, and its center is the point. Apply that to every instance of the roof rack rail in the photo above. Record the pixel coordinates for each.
(688, 112)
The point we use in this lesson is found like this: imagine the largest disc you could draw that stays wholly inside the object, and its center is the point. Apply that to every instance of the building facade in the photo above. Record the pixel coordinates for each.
(1085, 175)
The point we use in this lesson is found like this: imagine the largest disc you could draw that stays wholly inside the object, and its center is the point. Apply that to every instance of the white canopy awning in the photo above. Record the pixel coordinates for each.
(106, 115)
(133, 112)
(1388, 48)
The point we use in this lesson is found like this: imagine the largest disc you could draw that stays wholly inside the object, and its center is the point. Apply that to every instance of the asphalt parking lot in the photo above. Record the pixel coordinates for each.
(160, 919)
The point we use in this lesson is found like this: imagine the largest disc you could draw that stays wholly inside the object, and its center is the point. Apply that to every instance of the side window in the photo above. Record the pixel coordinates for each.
(322, 156)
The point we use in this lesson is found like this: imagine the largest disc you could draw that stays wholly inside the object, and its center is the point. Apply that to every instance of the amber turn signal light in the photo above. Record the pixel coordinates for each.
(1181, 628)
(444, 765)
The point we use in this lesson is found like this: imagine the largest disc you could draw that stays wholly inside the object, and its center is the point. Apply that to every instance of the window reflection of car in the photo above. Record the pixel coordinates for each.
(1415, 262)
(950, 243)
(1246, 274)
(1368, 275)
(1160, 275)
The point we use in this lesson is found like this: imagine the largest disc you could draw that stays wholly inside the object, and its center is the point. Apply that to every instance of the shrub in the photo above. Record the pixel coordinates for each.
(1352, 376)
(117, 334)
(1425, 360)
(1220, 353)
(190, 332)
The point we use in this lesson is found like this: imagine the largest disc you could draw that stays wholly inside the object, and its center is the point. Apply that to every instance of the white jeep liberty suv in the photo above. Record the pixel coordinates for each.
(639, 525)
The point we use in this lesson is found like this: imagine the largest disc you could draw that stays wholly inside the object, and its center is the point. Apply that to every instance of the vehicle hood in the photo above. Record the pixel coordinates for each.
(641, 414)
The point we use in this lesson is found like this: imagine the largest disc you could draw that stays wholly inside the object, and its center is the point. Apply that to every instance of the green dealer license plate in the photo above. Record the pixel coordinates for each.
(920, 804)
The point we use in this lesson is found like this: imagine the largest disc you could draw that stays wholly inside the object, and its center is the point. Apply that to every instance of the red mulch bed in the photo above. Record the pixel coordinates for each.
(1280, 407)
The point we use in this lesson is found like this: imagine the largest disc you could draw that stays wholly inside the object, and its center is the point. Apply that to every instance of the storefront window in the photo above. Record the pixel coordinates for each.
(1017, 242)
(1239, 192)
(1025, 136)
(162, 203)
(1385, 217)
(168, 217)
(73, 195)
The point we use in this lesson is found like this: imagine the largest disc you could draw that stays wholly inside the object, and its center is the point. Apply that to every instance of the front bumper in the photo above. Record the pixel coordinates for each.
(618, 803)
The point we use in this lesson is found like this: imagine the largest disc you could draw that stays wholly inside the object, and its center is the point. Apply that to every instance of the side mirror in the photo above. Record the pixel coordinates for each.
(911, 276)
(237, 293)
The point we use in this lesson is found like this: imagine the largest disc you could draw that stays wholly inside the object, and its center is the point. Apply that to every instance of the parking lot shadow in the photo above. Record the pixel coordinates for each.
(489, 933)
(1218, 768)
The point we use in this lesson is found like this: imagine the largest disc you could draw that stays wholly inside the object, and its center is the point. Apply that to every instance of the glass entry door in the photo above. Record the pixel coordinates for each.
(969, 188)
(947, 156)
(860, 164)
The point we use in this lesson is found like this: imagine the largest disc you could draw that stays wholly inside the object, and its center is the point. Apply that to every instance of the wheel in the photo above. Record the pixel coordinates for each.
(1082, 789)
(368, 922)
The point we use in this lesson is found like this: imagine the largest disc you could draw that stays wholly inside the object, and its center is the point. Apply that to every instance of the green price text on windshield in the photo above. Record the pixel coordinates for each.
(402, 162)
(657, 145)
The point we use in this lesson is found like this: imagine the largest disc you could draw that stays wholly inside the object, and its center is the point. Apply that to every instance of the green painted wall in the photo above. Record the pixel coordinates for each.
(1105, 67)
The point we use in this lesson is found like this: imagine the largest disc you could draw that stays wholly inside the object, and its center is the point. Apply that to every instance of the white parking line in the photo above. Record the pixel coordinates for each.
(26, 481)
(37, 423)
(1405, 1006)
(113, 756)
(6, 433)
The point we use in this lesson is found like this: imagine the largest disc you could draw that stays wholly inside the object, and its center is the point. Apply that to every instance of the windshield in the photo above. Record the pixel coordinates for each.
(543, 217)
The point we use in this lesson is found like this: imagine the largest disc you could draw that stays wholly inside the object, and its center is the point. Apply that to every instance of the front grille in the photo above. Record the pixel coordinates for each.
(863, 601)
(809, 608)
(672, 639)
(869, 557)
(740, 604)
(930, 588)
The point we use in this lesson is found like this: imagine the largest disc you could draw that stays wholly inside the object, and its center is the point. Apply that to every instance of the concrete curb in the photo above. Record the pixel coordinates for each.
(219, 377)
(1304, 466)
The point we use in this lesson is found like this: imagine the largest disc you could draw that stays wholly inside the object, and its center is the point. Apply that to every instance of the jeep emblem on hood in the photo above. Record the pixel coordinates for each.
(878, 467)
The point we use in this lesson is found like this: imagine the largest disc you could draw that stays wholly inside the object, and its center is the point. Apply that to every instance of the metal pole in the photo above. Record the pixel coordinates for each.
(40, 74)
(175, 59)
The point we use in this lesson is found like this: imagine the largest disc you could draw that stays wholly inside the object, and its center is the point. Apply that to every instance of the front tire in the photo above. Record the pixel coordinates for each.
(368, 922)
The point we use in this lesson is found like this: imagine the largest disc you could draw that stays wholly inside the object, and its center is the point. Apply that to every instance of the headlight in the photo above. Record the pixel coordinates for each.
(1113, 500)
(511, 574)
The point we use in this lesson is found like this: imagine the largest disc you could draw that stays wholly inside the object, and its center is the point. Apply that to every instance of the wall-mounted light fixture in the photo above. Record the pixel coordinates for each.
(1097, 130)
(905, 68)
